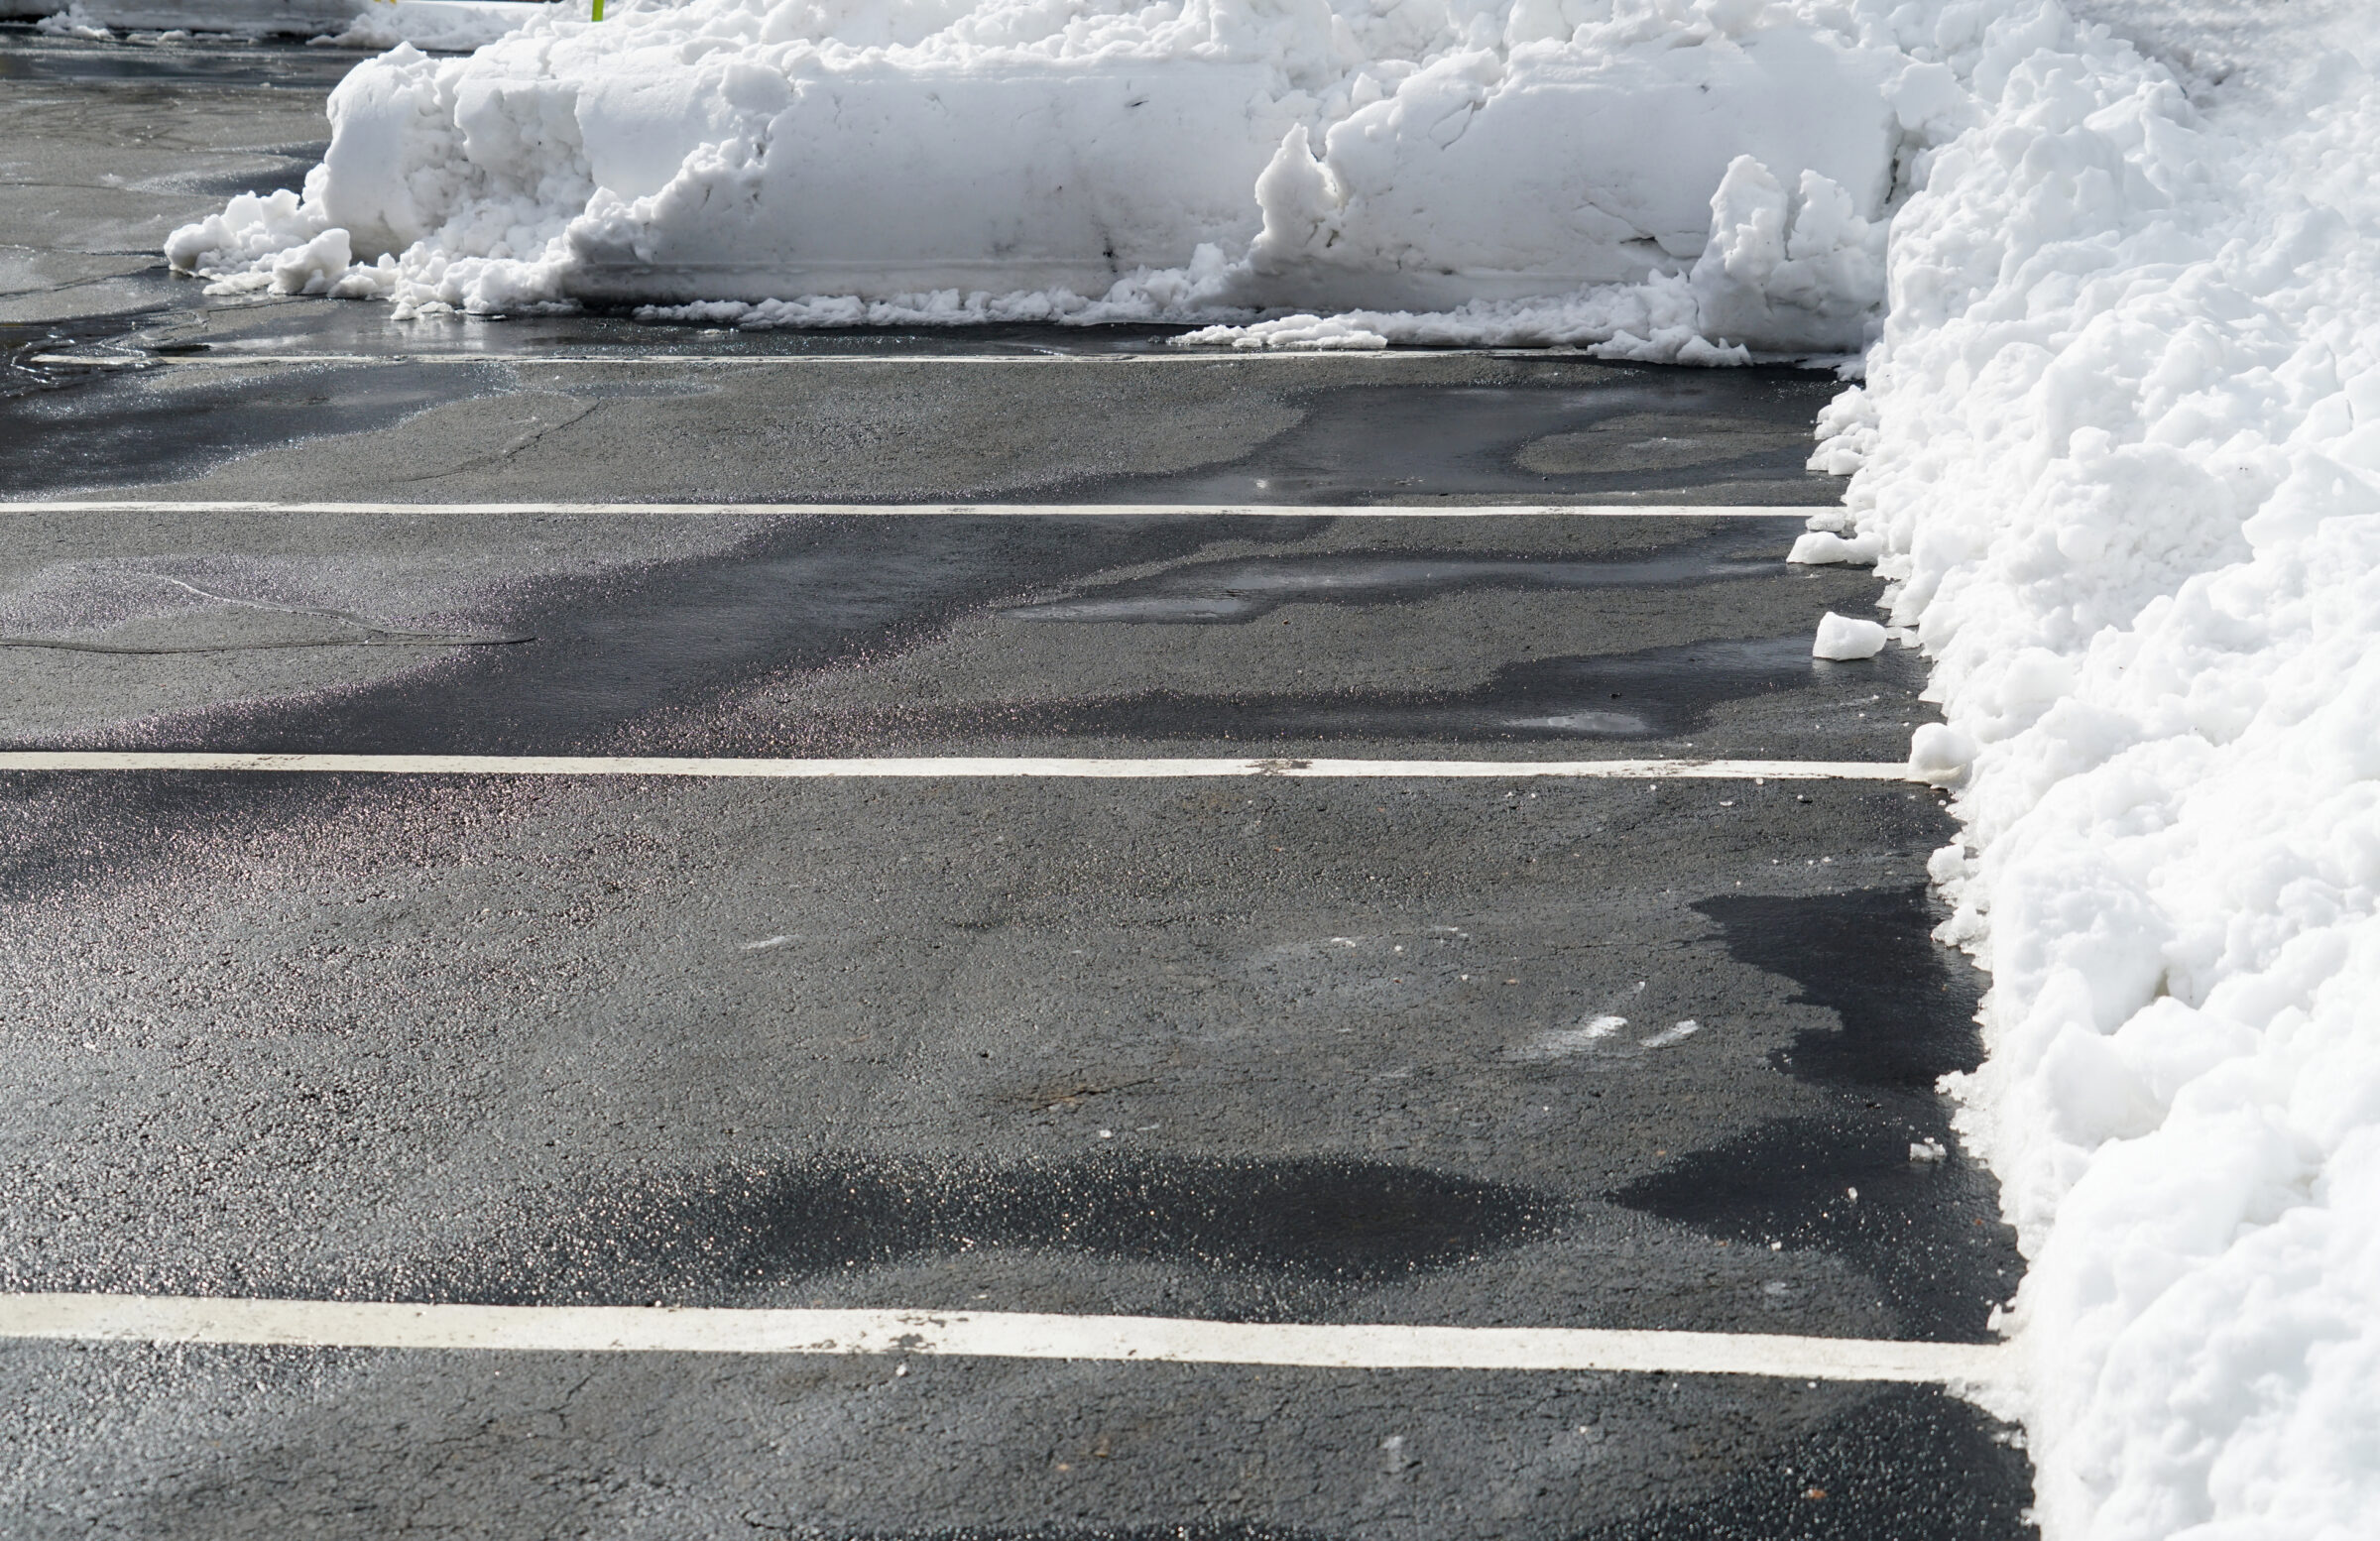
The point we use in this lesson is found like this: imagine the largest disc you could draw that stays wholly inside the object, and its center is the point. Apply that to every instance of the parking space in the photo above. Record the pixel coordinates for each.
(1647, 1053)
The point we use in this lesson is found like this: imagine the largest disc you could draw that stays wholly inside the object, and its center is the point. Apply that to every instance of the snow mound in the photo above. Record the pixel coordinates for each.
(74, 22)
(2119, 454)
(1680, 179)
(448, 26)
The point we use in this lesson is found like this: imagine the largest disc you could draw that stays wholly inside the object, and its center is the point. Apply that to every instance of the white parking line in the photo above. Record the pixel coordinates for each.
(984, 1333)
(1069, 767)
(945, 510)
(230, 359)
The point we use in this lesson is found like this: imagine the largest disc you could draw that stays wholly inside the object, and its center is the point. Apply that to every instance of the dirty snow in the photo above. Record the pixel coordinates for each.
(2118, 453)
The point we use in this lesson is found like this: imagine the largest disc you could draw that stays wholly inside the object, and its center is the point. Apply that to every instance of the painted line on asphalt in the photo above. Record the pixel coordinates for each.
(346, 1324)
(945, 510)
(1168, 356)
(958, 767)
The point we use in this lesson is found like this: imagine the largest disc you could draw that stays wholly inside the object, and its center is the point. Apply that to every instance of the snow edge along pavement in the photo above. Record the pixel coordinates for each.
(2119, 457)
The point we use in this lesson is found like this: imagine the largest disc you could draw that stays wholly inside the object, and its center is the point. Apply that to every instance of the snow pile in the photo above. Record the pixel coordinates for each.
(1797, 272)
(1679, 175)
(449, 26)
(2120, 450)
(74, 22)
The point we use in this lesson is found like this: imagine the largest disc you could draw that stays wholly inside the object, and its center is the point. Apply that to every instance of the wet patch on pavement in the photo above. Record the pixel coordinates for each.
(1187, 430)
(1880, 1182)
(167, 605)
(1250, 588)
(622, 662)
(116, 432)
(1659, 693)
(721, 1236)
(28, 350)
(287, 176)
(866, 1448)
(1612, 432)
(220, 62)
(1908, 1462)
(612, 650)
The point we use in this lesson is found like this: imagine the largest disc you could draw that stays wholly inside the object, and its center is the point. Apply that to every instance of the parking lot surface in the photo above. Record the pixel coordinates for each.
(1649, 1051)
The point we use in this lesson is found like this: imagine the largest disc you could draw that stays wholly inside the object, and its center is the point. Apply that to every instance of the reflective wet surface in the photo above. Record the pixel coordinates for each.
(855, 635)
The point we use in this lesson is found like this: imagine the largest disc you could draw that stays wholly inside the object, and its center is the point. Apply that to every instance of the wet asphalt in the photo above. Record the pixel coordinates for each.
(1262, 1050)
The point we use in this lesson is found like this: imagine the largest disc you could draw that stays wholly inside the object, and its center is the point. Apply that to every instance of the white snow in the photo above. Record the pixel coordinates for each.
(1846, 637)
(452, 25)
(1666, 179)
(76, 21)
(1822, 547)
(2119, 455)
(448, 26)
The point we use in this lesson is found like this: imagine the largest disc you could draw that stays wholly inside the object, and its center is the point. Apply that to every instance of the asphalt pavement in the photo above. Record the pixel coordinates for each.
(1505, 1052)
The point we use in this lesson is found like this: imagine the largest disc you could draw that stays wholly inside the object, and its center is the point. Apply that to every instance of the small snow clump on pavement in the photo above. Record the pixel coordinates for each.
(1846, 637)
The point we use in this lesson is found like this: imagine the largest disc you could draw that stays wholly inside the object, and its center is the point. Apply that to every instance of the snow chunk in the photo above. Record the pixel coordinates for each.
(1938, 752)
(250, 234)
(1820, 548)
(74, 22)
(1846, 637)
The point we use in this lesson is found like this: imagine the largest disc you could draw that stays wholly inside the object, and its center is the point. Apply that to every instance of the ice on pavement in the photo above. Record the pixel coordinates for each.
(1675, 179)
(2118, 454)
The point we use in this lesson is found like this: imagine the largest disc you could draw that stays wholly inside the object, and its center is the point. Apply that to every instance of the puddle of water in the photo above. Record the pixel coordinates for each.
(1234, 592)
(1928, 1232)
(1337, 1220)
(106, 338)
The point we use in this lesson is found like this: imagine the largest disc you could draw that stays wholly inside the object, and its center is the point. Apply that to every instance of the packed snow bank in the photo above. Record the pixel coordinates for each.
(445, 26)
(1717, 171)
(74, 21)
(2119, 447)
